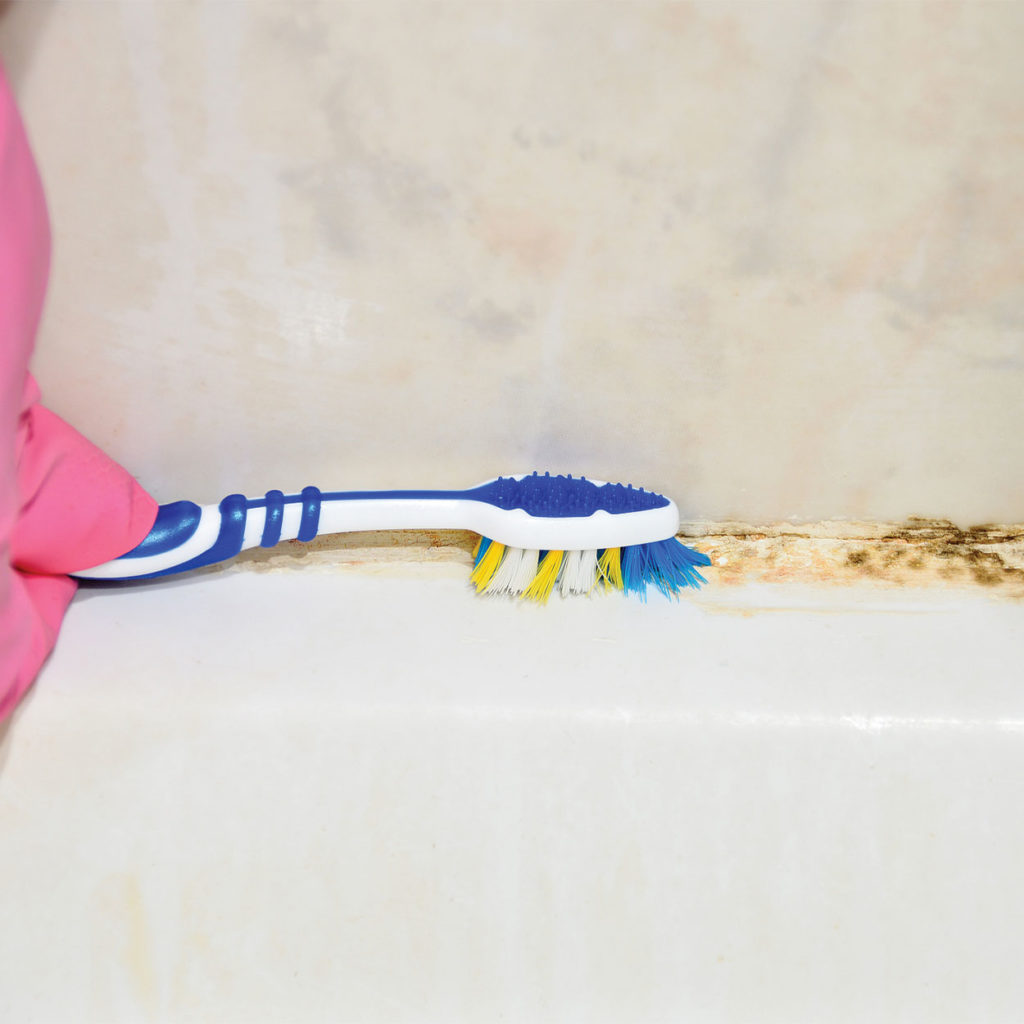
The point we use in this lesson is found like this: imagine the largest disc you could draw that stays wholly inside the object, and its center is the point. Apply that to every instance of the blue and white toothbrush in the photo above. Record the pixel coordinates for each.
(538, 532)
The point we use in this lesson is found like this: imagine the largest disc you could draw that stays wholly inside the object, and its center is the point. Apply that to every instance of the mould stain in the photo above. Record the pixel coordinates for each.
(916, 553)
(919, 553)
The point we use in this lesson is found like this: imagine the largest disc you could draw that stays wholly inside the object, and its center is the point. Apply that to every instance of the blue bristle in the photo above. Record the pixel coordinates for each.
(666, 564)
(485, 543)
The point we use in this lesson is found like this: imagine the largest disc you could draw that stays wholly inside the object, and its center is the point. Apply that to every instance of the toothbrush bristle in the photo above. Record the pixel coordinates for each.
(667, 565)
(515, 572)
(578, 573)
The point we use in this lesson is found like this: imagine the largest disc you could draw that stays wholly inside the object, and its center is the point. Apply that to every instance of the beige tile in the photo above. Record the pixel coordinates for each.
(764, 257)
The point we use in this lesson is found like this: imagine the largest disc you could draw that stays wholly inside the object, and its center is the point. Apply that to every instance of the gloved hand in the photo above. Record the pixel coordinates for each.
(64, 505)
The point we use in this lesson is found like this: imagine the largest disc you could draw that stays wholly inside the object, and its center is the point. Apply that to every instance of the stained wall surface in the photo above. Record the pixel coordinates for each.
(764, 257)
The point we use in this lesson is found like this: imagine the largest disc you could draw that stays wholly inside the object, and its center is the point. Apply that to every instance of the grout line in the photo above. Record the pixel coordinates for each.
(916, 553)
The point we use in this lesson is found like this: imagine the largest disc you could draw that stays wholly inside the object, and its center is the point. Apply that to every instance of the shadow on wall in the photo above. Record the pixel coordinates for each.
(5, 732)
(21, 22)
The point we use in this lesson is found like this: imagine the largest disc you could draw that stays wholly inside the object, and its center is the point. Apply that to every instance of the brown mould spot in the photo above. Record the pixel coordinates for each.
(891, 558)
(986, 577)
(858, 558)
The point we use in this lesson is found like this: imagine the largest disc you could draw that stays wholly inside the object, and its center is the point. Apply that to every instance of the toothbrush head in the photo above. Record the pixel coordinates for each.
(575, 534)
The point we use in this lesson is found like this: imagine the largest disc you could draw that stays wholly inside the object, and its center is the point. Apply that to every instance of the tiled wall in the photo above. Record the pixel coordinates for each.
(764, 256)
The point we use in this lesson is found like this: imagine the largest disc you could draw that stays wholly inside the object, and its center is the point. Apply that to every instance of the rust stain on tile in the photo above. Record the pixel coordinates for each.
(916, 553)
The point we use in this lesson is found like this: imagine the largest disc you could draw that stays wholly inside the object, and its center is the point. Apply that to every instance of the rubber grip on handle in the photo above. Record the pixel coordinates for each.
(176, 524)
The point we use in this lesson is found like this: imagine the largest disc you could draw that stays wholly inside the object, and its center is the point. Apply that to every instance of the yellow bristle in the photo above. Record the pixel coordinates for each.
(543, 583)
(609, 569)
(487, 566)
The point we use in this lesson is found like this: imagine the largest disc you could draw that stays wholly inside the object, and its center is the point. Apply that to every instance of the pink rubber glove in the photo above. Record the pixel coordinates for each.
(64, 505)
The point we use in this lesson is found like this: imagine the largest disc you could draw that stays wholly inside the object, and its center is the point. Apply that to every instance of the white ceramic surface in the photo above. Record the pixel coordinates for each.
(765, 257)
(334, 797)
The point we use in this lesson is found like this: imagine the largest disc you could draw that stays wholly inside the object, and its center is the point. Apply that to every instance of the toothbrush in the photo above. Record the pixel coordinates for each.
(537, 533)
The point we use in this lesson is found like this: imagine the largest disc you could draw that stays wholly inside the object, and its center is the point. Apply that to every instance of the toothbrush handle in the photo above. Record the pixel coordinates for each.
(188, 536)
(519, 511)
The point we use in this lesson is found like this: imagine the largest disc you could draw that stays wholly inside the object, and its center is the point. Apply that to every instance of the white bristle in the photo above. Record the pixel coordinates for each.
(570, 572)
(503, 574)
(517, 569)
(526, 571)
(579, 572)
